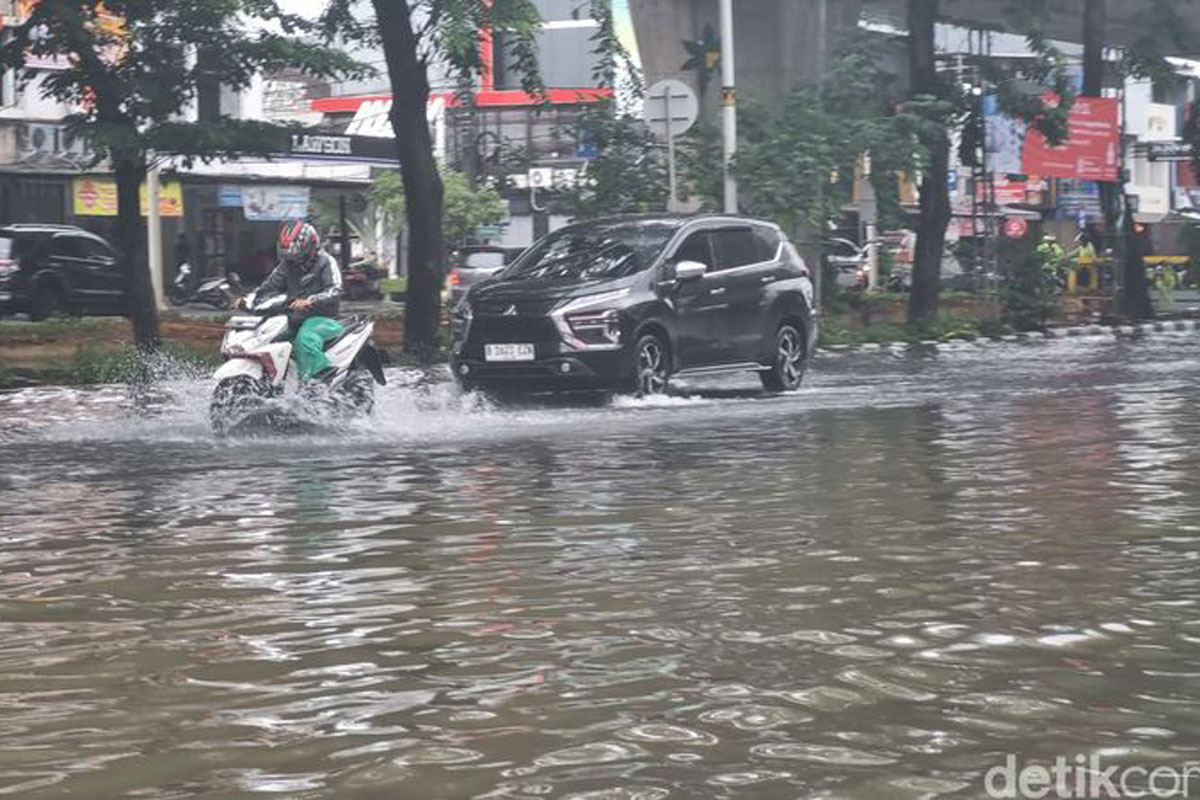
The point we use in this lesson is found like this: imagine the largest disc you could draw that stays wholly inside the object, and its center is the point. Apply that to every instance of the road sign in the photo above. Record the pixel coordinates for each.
(1016, 227)
(670, 107)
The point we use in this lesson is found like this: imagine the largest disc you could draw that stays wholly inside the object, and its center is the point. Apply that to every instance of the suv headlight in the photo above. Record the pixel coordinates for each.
(590, 322)
(596, 327)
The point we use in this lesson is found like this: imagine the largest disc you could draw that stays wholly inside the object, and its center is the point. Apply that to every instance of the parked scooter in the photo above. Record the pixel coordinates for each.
(361, 281)
(218, 292)
(260, 370)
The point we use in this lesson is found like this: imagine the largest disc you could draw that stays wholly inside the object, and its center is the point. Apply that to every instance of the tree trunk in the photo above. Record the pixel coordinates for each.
(422, 183)
(1133, 300)
(935, 210)
(130, 171)
(1095, 24)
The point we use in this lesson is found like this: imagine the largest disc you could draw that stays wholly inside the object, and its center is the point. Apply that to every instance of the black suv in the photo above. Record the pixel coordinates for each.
(48, 269)
(624, 303)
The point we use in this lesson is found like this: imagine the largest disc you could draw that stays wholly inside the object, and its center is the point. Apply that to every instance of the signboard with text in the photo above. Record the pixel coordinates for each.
(274, 203)
(1091, 152)
(97, 197)
(1092, 149)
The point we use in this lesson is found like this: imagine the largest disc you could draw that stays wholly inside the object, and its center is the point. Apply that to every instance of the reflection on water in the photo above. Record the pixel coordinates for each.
(875, 587)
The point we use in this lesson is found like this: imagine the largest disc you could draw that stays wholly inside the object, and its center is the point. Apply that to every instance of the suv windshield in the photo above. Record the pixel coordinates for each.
(590, 252)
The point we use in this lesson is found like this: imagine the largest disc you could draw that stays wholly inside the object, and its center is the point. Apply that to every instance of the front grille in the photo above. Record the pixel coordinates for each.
(513, 329)
(508, 308)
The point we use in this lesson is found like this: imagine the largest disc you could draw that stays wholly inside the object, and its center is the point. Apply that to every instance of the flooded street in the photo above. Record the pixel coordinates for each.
(879, 586)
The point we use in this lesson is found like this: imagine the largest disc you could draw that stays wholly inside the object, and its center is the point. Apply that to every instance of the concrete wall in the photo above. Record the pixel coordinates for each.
(1065, 22)
(779, 44)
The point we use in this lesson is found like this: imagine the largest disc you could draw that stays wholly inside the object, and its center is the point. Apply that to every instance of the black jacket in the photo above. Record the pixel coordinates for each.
(322, 284)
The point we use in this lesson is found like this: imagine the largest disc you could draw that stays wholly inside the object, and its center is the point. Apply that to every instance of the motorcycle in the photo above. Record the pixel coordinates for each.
(361, 281)
(217, 292)
(260, 371)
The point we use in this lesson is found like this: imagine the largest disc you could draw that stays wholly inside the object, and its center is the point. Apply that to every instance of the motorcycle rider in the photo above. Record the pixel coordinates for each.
(313, 283)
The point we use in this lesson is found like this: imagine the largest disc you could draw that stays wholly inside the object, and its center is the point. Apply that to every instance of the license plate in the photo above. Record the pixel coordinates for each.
(508, 352)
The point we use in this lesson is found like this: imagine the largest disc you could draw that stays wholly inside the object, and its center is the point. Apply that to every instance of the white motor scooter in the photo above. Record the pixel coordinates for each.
(260, 368)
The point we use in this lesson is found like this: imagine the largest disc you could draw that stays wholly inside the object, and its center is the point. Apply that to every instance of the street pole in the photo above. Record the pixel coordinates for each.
(343, 235)
(728, 106)
(154, 231)
(871, 231)
(672, 195)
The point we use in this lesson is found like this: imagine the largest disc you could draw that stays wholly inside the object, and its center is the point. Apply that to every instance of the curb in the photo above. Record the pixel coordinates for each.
(1075, 332)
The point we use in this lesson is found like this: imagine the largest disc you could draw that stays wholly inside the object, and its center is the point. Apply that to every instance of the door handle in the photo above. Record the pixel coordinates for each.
(767, 279)
(718, 290)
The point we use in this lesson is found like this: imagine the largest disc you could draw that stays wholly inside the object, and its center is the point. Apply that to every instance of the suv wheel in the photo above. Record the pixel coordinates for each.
(651, 366)
(790, 360)
(46, 303)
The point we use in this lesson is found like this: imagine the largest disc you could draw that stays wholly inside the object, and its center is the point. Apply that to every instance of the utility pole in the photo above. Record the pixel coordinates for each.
(728, 106)
(154, 230)
(870, 215)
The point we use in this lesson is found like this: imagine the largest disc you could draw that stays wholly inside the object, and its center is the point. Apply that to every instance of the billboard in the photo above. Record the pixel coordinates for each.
(1091, 151)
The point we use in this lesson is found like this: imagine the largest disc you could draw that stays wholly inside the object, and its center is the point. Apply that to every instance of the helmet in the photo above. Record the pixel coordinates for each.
(298, 244)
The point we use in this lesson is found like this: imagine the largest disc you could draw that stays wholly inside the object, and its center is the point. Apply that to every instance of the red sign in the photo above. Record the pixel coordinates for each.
(1092, 149)
(1015, 228)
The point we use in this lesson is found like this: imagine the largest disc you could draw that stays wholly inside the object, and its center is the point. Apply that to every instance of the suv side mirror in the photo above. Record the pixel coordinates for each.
(689, 270)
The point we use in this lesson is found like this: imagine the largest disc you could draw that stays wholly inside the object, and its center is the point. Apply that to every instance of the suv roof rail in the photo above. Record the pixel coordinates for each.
(41, 226)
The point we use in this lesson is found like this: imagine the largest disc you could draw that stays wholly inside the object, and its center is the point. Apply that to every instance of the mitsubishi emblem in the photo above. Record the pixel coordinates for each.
(511, 311)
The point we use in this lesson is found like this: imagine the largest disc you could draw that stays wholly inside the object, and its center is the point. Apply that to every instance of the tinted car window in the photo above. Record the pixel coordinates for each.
(767, 240)
(484, 260)
(67, 246)
(94, 250)
(695, 248)
(590, 252)
(734, 247)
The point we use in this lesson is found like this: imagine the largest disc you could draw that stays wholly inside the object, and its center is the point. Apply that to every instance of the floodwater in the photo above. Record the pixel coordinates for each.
(879, 586)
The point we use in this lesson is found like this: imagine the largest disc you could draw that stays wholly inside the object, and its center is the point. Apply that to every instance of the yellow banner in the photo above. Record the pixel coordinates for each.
(170, 199)
(97, 197)
(94, 197)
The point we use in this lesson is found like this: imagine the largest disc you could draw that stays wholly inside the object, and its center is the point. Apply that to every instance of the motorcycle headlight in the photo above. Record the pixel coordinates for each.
(596, 327)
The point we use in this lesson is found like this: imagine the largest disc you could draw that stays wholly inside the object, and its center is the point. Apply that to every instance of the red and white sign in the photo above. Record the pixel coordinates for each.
(1092, 149)
(1015, 228)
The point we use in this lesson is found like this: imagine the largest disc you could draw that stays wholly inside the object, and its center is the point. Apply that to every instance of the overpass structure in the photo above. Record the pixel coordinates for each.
(781, 44)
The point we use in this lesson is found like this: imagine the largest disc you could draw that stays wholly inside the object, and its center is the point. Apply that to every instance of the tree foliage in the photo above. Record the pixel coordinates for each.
(131, 69)
(629, 173)
(798, 165)
(468, 208)
(418, 36)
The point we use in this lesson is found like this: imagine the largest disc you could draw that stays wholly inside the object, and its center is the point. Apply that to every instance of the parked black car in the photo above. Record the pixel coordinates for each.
(48, 269)
(624, 303)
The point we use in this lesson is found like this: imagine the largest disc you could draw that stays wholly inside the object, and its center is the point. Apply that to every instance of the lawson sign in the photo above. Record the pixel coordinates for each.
(341, 147)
